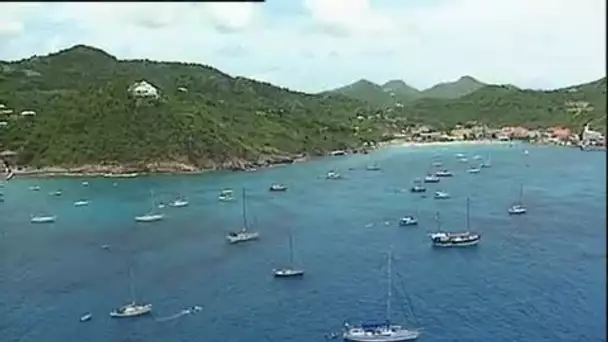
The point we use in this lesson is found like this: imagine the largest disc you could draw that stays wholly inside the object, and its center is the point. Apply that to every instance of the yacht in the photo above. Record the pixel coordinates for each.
(277, 187)
(408, 221)
(459, 239)
(132, 309)
(226, 195)
(289, 271)
(43, 219)
(383, 332)
(86, 317)
(518, 208)
(431, 179)
(444, 173)
(243, 235)
(150, 216)
(473, 170)
(333, 174)
(81, 203)
(441, 195)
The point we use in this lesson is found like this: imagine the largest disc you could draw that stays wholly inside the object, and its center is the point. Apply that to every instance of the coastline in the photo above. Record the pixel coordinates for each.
(234, 165)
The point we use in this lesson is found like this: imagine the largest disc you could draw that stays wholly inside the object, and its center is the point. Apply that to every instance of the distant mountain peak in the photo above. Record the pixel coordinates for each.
(84, 51)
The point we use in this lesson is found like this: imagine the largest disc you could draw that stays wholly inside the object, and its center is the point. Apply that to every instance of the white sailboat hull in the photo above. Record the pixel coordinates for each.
(394, 334)
(132, 311)
(242, 237)
(43, 219)
(149, 218)
(287, 272)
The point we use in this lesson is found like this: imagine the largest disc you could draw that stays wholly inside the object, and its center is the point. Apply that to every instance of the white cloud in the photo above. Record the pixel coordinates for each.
(539, 43)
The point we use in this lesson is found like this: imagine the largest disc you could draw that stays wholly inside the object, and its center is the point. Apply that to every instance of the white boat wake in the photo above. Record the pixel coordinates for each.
(180, 314)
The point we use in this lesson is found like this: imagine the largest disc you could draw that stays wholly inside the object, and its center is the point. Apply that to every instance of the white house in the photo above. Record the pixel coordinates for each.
(2, 106)
(143, 89)
(28, 113)
(6, 111)
(3, 123)
(182, 89)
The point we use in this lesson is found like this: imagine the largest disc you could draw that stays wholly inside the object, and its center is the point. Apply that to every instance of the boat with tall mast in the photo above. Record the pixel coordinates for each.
(382, 332)
(132, 309)
(151, 216)
(244, 234)
(454, 239)
(518, 208)
(289, 271)
(487, 163)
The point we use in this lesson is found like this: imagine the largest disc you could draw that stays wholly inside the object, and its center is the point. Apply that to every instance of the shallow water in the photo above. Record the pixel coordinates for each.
(537, 277)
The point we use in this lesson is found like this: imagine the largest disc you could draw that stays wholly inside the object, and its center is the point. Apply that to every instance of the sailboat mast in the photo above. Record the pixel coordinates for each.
(521, 192)
(468, 220)
(152, 198)
(437, 221)
(290, 248)
(389, 288)
(131, 284)
(244, 210)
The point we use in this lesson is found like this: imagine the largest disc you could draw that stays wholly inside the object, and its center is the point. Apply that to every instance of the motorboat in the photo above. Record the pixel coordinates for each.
(517, 209)
(86, 317)
(55, 193)
(417, 188)
(441, 195)
(408, 221)
(150, 217)
(226, 195)
(333, 175)
(179, 203)
(444, 173)
(34, 188)
(81, 203)
(43, 219)
(431, 179)
(277, 188)
(131, 310)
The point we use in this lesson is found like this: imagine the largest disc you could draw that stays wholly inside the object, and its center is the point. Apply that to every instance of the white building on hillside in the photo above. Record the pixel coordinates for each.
(28, 113)
(143, 89)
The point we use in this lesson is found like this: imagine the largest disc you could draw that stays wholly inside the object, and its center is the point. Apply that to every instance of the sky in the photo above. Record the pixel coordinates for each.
(314, 45)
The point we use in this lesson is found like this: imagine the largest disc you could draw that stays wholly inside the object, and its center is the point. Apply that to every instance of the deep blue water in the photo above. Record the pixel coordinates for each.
(537, 277)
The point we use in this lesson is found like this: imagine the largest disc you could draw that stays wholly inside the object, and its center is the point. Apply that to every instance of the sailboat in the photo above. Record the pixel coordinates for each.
(518, 208)
(43, 218)
(242, 235)
(488, 163)
(150, 216)
(450, 239)
(383, 332)
(132, 309)
(180, 201)
(288, 271)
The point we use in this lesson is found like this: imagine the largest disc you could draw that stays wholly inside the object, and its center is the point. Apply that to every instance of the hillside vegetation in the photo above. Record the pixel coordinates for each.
(397, 92)
(85, 115)
(506, 105)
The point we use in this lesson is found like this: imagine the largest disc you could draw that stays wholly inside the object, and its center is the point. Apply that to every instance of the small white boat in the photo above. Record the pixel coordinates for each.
(150, 217)
(431, 179)
(43, 219)
(517, 209)
(444, 173)
(131, 310)
(477, 157)
(408, 221)
(105, 247)
(55, 193)
(459, 155)
(441, 195)
(417, 188)
(277, 188)
(373, 167)
(226, 195)
(86, 317)
(464, 160)
(160, 205)
(474, 170)
(121, 175)
(85, 183)
(287, 272)
(333, 175)
(81, 203)
(34, 188)
(179, 203)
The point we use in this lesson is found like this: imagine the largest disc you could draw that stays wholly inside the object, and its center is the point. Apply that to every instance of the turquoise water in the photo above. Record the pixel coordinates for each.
(537, 277)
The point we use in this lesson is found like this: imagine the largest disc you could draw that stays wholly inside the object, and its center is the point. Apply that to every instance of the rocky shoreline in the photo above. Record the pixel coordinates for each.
(133, 170)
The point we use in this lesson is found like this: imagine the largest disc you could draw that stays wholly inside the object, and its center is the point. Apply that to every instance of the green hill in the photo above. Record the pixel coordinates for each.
(508, 105)
(85, 114)
(451, 90)
(397, 91)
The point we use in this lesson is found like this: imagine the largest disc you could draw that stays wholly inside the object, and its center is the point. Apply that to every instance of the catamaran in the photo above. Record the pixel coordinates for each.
(289, 271)
(382, 332)
(151, 216)
(132, 309)
(243, 235)
(518, 208)
(460, 239)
